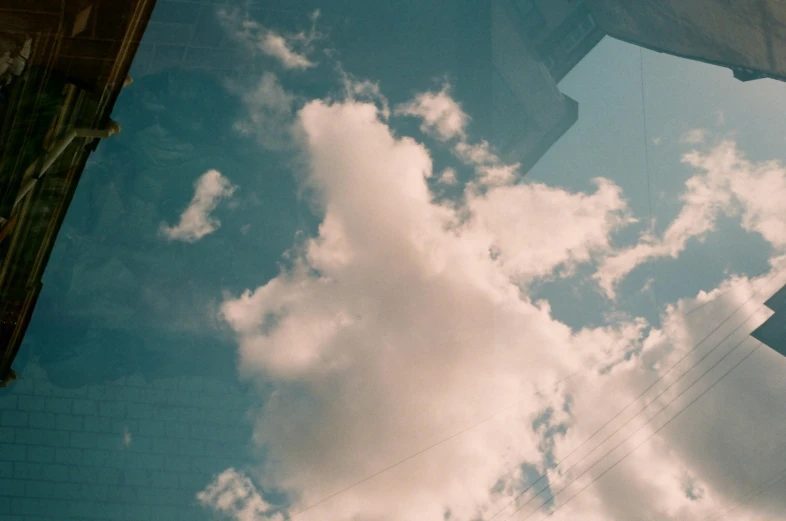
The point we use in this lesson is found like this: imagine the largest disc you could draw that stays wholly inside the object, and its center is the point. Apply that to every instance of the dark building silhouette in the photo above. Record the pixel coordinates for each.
(517, 51)
(529, 113)
(773, 331)
(69, 61)
(747, 36)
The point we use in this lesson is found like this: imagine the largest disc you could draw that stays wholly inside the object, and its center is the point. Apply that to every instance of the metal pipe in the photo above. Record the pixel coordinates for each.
(111, 129)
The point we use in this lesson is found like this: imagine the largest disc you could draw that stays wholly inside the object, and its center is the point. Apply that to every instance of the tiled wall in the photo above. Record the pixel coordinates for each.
(124, 451)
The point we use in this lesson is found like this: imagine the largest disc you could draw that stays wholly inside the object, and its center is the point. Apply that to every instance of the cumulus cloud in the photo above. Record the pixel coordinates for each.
(726, 183)
(403, 311)
(694, 136)
(442, 116)
(404, 320)
(195, 221)
(513, 216)
(290, 50)
(234, 495)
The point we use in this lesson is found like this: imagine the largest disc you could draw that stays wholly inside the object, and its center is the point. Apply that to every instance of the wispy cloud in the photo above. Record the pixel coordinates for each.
(448, 176)
(441, 114)
(720, 117)
(443, 118)
(726, 183)
(195, 221)
(269, 111)
(290, 50)
(694, 136)
(127, 438)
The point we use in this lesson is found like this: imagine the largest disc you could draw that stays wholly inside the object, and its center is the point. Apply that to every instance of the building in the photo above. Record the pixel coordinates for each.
(519, 51)
(747, 36)
(66, 61)
(62, 66)
(773, 331)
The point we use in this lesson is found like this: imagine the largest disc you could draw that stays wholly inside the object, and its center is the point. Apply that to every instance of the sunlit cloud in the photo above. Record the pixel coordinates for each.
(234, 495)
(725, 183)
(404, 311)
(440, 113)
(196, 221)
(403, 320)
(290, 50)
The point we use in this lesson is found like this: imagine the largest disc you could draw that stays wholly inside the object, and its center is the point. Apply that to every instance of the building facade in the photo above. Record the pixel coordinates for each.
(63, 66)
(747, 36)
(773, 331)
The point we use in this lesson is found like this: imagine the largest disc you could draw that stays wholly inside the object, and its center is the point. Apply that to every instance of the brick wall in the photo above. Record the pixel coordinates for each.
(124, 451)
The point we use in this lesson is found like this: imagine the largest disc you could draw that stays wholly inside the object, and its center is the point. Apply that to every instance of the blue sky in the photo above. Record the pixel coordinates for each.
(293, 229)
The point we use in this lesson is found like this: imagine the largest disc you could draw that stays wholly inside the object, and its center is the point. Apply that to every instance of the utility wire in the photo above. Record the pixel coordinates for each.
(444, 440)
(553, 495)
(660, 428)
(654, 291)
(479, 422)
(635, 400)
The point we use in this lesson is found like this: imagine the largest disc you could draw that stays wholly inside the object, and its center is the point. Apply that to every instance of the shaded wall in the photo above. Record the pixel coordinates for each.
(746, 34)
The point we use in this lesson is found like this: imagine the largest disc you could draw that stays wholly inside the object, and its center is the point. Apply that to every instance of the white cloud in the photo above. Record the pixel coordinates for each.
(657, 141)
(725, 183)
(233, 494)
(448, 176)
(290, 50)
(127, 438)
(356, 89)
(269, 111)
(413, 329)
(477, 154)
(441, 114)
(513, 218)
(195, 221)
(403, 321)
(277, 46)
(694, 136)
(443, 117)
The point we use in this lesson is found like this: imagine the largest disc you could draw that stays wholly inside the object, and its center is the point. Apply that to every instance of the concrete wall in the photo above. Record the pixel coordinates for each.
(742, 33)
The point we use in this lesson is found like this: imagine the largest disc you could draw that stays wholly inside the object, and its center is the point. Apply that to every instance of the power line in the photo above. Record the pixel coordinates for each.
(553, 495)
(444, 440)
(635, 400)
(487, 418)
(664, 425)
(654, 291)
